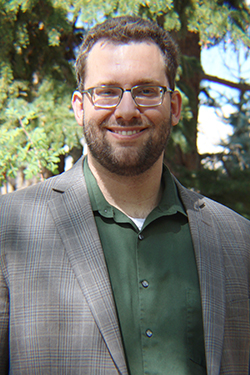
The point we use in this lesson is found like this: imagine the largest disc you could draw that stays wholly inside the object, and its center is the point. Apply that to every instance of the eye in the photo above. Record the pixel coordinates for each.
(107, 91)
(147, 91)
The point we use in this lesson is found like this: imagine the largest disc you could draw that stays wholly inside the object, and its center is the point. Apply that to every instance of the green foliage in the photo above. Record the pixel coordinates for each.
(36, 84)
(23, 144)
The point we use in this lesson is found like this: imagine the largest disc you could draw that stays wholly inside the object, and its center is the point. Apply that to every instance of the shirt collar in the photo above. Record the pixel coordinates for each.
(170, 202)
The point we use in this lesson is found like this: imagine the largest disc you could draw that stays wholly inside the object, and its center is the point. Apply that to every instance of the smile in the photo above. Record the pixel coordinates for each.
(124, 132)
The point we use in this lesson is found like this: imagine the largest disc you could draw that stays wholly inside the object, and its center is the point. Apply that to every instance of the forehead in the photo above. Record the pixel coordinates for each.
(134, 61)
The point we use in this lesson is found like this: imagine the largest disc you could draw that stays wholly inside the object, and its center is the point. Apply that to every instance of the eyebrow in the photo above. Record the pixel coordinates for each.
(146, 81)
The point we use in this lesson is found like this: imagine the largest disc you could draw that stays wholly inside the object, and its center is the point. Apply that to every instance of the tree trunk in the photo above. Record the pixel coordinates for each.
(189, 83)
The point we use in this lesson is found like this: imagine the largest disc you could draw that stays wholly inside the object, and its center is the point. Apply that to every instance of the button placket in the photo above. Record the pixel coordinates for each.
(144, 292)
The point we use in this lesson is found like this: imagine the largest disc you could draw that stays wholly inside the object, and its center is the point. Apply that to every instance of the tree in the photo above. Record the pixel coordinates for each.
(37, 78)
(37, 81)
(226, 175)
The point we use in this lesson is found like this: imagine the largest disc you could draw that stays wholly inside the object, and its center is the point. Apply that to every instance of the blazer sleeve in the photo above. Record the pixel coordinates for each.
(4, 323)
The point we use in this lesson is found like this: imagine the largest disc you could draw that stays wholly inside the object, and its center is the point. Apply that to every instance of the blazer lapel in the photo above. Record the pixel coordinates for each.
(209, 260)
(73, 217)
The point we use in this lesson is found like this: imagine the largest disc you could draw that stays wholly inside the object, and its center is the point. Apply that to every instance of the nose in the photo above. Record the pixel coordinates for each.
(127, 108)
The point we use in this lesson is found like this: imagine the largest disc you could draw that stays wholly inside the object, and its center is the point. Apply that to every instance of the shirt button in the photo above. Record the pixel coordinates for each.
(144, 283)
(149, 333)
(141, 237)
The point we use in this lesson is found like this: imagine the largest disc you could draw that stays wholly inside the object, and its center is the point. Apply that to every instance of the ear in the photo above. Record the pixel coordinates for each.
(77, 106)
(176, 102)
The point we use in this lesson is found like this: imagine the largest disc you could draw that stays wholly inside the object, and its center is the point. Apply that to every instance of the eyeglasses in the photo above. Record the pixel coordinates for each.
(143, 95)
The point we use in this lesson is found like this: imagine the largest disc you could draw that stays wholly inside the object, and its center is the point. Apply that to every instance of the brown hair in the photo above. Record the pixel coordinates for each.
(124, 30)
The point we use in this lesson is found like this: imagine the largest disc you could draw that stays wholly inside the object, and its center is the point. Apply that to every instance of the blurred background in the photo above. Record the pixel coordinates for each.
(210, 149)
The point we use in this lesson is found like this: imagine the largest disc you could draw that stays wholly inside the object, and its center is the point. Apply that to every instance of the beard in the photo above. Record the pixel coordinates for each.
(127, 160)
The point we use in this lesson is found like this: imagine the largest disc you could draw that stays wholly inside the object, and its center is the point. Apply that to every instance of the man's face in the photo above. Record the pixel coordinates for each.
(126, 140)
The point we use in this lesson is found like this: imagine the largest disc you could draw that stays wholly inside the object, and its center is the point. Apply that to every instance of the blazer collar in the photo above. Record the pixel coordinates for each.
(73, 217)
(209, 259)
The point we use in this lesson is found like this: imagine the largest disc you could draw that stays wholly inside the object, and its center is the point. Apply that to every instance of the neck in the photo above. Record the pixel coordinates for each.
(136, 196)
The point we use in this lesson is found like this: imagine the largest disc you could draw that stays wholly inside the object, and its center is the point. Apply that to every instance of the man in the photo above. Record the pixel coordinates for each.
(113, 267)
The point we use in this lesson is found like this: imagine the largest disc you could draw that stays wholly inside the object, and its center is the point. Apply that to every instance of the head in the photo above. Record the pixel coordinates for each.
(127, 29)
(127, 53)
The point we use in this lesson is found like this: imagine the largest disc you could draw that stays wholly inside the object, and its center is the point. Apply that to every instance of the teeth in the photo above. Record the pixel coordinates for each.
(129, 132)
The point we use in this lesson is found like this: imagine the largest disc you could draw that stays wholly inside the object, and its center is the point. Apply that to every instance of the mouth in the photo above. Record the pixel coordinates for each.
(126, 132)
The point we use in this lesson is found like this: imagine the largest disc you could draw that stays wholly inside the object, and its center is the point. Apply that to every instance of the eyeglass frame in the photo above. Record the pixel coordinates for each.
(164, 89)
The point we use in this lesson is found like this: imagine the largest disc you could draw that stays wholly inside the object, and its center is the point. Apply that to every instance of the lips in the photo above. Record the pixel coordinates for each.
(125, 132)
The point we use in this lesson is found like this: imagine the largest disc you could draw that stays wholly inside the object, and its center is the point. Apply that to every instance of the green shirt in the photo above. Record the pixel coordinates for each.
(155, 283)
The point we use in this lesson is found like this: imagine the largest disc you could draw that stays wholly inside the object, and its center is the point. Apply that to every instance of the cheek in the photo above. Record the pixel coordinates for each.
(156, 116)
(91, 114)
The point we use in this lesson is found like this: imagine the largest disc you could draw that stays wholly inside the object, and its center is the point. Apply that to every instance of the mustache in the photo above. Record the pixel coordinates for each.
(121, 122)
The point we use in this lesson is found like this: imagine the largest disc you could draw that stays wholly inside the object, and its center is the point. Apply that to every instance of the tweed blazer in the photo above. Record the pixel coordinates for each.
(57, 313)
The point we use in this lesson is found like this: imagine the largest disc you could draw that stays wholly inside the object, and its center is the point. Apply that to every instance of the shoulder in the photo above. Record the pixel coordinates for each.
(219, 215)
(45, 189)
(25, 200)
(28, 196)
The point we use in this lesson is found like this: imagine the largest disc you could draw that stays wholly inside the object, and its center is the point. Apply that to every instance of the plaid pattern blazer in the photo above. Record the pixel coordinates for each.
(57, 313)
